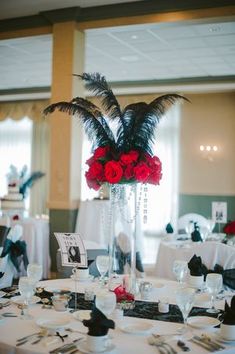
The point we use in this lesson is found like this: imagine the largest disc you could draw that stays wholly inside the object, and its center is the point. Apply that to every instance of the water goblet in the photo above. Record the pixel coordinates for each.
(185, 299)
(214, 284)
(102, 264)
(34, 271)
(180, 269)
(105, 301)
(189, 228)
(26, 288)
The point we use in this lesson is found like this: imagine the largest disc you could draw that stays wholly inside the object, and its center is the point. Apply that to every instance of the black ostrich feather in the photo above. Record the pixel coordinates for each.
(97, 84)
(94, 123)
(136, 124)
(30, 181)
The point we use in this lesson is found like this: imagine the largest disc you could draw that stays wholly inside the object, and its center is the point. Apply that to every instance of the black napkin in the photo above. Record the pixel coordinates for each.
(196, 267)
(229, 313)
(195, 235)
(169, 228)
(4, 230)
(99, 324)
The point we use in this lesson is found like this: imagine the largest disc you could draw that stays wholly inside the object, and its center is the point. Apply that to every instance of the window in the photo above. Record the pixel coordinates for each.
(15, 148)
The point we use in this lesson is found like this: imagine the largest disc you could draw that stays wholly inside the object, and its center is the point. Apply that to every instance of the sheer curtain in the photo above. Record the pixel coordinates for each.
(15, 148)
(163, 199)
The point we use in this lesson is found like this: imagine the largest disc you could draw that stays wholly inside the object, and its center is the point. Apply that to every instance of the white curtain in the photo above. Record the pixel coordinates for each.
(163, 199)
(15, 148)
(40, 162)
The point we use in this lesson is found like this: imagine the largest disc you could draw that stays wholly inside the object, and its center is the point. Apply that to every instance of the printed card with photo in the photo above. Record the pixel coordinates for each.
(219, 212)
(73, 252)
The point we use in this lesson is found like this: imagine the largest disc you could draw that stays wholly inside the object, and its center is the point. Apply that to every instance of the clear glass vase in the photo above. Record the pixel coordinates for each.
(123, 215)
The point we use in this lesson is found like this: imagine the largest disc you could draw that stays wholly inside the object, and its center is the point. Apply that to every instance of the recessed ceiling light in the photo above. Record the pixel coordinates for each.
(130, 58)
(215, 29)
(134, 36)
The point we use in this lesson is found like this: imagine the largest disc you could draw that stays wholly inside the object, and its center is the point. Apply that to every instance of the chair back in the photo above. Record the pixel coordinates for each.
(187, 218)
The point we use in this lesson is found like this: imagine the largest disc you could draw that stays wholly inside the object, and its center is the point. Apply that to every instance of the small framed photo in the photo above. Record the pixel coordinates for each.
(219, 212)
(73, 252)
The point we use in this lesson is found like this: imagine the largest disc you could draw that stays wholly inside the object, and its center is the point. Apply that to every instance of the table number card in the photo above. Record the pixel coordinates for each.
(219, 212)
(73, 252)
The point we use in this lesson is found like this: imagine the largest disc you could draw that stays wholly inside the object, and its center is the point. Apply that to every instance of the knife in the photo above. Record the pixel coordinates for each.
(202, 344)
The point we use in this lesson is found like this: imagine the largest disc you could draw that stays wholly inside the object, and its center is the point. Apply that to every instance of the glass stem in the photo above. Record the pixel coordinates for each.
(213, 301)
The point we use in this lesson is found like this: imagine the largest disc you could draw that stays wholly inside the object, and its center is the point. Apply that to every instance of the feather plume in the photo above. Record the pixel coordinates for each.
(30, 181)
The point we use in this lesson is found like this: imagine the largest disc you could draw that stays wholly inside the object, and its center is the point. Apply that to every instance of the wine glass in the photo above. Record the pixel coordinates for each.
(214, 283)
(211, 225)
(185, 299)
(34, 271)
(102, 264)
(105, 301)
(180, 269)
(189, 228)
(26, 288)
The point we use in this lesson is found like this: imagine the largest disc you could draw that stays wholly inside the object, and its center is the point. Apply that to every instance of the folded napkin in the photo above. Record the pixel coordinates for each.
(195, 235)
(229, 313)
(123, 254)
(169, 228)
(98, 325)
(196, 267)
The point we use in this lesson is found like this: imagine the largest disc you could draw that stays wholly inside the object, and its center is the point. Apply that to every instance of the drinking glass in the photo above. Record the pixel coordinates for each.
(189, 228)
(180, 269)
(26, 288)
(34, 271)
(214, 283)
(102, 264)
(105, 301)
(211, 225)
(184, 300)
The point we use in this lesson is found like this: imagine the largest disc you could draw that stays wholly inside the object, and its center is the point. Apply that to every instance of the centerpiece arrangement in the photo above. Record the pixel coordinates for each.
(122, 148)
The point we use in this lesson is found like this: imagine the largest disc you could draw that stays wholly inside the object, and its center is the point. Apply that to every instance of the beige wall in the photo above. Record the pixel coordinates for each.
(209, 119)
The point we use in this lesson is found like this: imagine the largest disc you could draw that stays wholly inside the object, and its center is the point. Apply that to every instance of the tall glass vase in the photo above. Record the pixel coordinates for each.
(123, 214)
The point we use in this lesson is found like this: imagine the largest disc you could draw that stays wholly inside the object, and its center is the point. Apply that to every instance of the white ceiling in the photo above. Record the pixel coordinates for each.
(131, 53)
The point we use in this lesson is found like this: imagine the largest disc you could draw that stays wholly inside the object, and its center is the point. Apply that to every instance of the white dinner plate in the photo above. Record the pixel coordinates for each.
(219, 337)
(136, 328)
(82, 315)
(202, 322)
(2, 293)
(4, 301)
(82, 346)
(54, 289)
(20, 299)
(53, 322)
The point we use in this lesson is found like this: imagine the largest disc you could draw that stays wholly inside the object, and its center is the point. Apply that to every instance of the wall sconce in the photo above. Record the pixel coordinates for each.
(209, 151)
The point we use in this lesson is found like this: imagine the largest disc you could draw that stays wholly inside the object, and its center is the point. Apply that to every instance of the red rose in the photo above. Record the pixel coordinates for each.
(129, 172)
(96, 171)
(90, 161)
(101, 152)
(152, 160)
(229, 229)
(92, 183)
(131, 156)
(113, 171)
(155, 176)
(142, 172)
(123, 295)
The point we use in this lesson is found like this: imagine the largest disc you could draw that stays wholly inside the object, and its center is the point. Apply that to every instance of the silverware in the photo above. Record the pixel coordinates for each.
(9, 314)
(161, 340)
(5, 305)
(202, 344)
(39, 338)
(26, 337)
(209, 340)
(65, 347)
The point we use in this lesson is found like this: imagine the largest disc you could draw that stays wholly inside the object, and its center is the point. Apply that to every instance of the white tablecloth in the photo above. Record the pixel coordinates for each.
(36, 236)
(13, 328)
(211, 252)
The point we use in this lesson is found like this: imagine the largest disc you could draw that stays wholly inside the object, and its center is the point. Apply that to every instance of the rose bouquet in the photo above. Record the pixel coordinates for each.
(122, 138)
(229, 228)
(125, 300)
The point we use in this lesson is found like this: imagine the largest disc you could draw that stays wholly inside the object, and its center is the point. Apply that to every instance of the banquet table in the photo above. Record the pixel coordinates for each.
(13, 328)
(36, 236)
(212, 252)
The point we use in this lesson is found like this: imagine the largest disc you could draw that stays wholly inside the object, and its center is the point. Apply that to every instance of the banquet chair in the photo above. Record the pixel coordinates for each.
(184, 220)
(4, 230)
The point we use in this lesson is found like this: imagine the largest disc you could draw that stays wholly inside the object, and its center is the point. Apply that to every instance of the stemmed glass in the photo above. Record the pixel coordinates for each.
(189, 228)
(184, 300)
(26, 288)
(34, 271)
(102, 264)
(214, 283)
(105, 301)
(180, 269)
